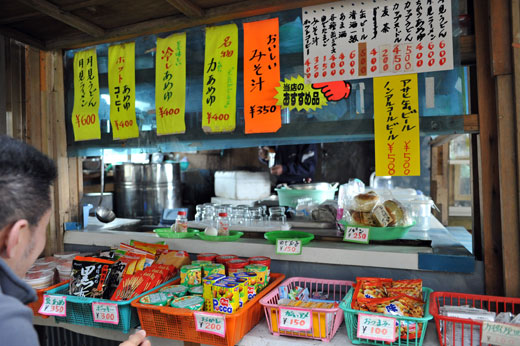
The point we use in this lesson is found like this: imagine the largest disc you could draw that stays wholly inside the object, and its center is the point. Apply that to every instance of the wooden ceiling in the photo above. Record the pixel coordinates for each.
(66, 24)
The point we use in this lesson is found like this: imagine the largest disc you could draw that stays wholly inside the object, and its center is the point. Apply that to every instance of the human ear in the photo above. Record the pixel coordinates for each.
(13, 238)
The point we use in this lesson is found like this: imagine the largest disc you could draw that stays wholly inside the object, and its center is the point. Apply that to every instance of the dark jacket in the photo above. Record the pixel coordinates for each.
(16, 319)
(298, 162)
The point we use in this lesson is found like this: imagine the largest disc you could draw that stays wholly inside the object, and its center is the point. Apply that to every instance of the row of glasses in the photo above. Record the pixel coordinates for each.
(242, 215)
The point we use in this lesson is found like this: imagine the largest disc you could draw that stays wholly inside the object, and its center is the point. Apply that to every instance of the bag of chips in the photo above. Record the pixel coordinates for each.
(89, 276)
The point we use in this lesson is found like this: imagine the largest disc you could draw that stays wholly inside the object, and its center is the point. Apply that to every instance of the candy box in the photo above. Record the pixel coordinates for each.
(191, 275)
(213, 268)
(207, 284)
(242, 288)
(251, 278)
(226, 296)
(262, 273)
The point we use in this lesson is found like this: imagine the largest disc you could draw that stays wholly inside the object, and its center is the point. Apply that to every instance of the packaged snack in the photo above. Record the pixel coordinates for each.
(266, 261)
(213, 268)
(158, 299)
(222, 259)
(226, 297)
(194, 303)
(200, 262)
(191, 275)
(242, 288)
(365, 202)
(207, 286)
(175, 290)
(236, 265)
(196, 290)
(251, 282)
(381, 216)
(299, 293)
(368, 288)
(88, 276)
(207, 256)
(396, 211)
(262, 275)
(175, 258)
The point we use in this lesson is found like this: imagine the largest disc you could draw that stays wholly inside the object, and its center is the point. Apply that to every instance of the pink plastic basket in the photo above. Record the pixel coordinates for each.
(325, 322)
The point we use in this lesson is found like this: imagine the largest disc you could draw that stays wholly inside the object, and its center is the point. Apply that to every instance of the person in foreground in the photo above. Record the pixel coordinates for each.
(26, 176)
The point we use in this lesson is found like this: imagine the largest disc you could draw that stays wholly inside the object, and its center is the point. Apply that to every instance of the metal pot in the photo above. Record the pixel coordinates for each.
(143, 191)
(314, 186)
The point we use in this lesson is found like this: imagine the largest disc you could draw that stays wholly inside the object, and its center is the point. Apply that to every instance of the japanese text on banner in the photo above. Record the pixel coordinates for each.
(121, 83)
(261, 76)
(220, 79)
(376, 38)
(85, 114)
(396, 126)
(170, 84)
(294, 93)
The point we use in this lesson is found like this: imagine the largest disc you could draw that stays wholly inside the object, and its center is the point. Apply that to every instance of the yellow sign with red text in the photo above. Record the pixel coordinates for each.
(170, 84)
(121, 84)
(85, 114)
(396, 126)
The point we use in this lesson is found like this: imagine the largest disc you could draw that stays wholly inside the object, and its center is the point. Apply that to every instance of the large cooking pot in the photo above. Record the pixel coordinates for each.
(319, 192)
(143, 191)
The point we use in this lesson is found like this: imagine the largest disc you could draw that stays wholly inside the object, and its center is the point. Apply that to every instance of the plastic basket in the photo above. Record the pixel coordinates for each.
(167, 233)
(233, 236)
(382, 233)
(420, 324)
(460, 331)
(79, 310)
(179, 324)
(289, 197)
(325, 322)
(303, 236)
(35, 306)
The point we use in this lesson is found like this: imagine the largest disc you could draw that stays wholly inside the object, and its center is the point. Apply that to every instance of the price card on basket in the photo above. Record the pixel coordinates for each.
(295, 319)
(210, 323)
(53, 305)
(105, 313)
(288, 246)
(374, 327)
(356, 234)
(500, 334)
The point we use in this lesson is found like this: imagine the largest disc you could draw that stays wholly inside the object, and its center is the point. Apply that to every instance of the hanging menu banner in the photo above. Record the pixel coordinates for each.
(220, 79)
(361, 39)
(294, 93)
(121, 84)
(85, 114)
(170, 84)
(396, 126)
(261, 76)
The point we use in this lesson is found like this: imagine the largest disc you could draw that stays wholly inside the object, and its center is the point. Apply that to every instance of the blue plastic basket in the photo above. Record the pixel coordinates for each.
(79, 309)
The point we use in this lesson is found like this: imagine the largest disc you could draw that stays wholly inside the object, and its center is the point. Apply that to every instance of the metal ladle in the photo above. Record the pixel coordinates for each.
(103, 214)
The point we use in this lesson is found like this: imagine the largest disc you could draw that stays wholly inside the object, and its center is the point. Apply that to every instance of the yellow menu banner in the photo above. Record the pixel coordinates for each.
(220, 79)
(294, 93)
(170, 84)
(121, 84)
(85, 113)
(396, 126)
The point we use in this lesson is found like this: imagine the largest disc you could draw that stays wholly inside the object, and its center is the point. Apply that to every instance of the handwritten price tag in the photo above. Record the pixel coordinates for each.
(373, 327)
(210, 323)
(500, 334)
(105, 313)
(295, 319)
(53, 305)
(356, 235)
(288, 247)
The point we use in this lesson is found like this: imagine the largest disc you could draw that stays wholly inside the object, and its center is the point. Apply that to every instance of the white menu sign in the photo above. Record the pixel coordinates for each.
(362, 39)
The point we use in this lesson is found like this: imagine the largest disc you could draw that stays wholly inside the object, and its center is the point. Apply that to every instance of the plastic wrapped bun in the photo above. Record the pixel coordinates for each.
(365, 202)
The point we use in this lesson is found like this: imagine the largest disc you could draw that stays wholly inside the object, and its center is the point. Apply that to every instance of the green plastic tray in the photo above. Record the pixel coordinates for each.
(383, 233)
(303, 236)
(233, 235)
(167, 233)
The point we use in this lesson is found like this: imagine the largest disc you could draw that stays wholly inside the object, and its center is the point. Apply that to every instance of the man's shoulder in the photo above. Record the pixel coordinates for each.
(16, 325)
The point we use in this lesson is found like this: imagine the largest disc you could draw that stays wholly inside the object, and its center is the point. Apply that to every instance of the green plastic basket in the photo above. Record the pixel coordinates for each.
(351, 322)
(303, 236)
(289, 197)
(167, 233)
(233, 236)
(79, 309)
(382, 233)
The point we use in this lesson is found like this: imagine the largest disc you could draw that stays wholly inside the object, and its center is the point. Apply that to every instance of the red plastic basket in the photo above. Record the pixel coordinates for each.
(454, 331)
(325, 323)
(35, 306)
(179, 324)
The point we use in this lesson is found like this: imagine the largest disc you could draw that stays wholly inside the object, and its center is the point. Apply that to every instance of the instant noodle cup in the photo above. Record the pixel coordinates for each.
(207, 256)
(191, 275)
(213, 268)
(196, 290)
(207, 286)
(39, 279)
(226, 296)
(236, 265)
(222, 259)
(194, 303)
(157, 299)
(251, 283)
(262, 275)
(266, 261)
(175, 290)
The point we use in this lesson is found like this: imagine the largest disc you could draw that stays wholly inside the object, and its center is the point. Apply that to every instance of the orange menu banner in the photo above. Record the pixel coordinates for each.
(261, 76)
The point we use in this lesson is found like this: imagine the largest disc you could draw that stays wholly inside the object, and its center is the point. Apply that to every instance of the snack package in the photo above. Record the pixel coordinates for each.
(250, 284)
(196, 290)
(191, 275)
(195, 303)
(157, 299)
(175, 290)
(242, 288)
(226, 297)
(174, 258)
(88, 276)
(213, 268)
(207, 287)
(366, 289)
(368, 209)
(201, 262)
(262, 275)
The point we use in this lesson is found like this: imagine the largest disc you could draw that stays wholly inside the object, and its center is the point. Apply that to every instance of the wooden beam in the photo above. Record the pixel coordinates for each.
(22, 37)
(500, 30)
(32, 97)
(65, 17)
(442, 139)
(471, 123)
(489, 186)
(33, 15)
(188, 8)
